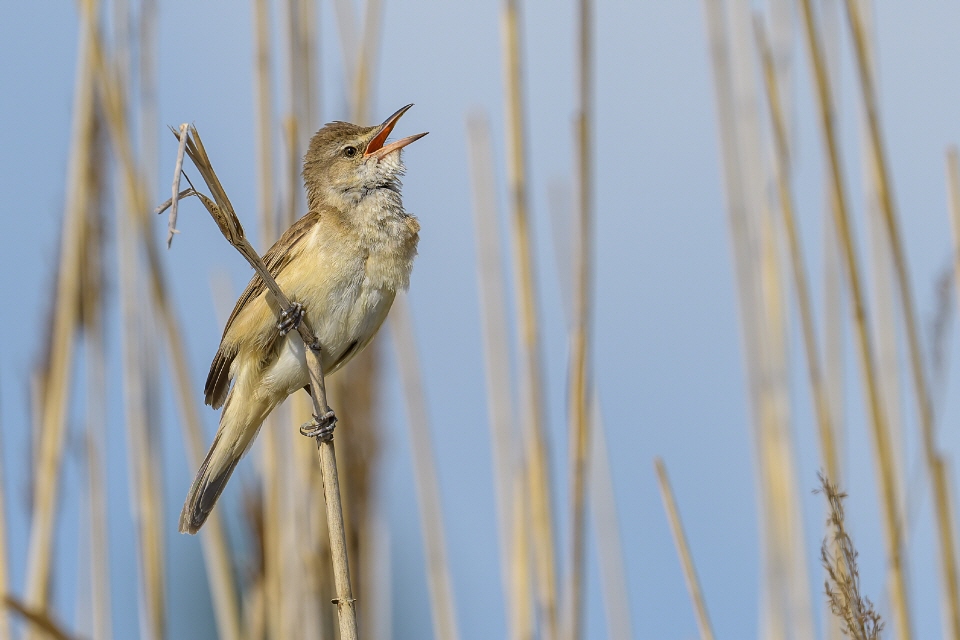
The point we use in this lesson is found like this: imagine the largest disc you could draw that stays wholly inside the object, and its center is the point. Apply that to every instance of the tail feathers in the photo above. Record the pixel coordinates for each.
(207, 487)
(239, 425)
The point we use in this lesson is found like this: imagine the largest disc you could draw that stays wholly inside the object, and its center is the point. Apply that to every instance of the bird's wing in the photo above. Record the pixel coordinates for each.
(278, 257)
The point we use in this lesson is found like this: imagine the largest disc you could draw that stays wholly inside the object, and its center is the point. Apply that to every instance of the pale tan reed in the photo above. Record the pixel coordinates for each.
(4, 558)
(893, 535)
(216, 550)
(143, 453)
(579, 413)
(531, 384)
(609, 544)
(828, 447)
(442, 602)
(683, 550)
(57, 379)
(496, 348)
(946, 527)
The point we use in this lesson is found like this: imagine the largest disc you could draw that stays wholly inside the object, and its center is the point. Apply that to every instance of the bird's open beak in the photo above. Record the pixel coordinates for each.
(376, 149)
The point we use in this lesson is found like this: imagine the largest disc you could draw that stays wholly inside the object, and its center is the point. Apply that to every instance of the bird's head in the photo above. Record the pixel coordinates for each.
(346, 162)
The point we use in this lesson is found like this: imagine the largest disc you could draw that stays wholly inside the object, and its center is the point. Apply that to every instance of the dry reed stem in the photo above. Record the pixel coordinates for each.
(226, 219)
(146, 495)
(603, 511)
(428, 487)
(828, 446)
(521, 539)
(786, 593)
(579, 414)
(216, 549)
(96, 473)
(39, 621)
(56, 385)
(4, 557)
(365, 65)
(741, 235)
(270, 587)
(953, 190)
(683, 550)
(858, 619)
(496, 343)
(946, 528)
(883, 454)
(544, 545)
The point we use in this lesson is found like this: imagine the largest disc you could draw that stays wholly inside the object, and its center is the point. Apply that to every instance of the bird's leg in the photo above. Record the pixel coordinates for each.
(290, 318)
(324, 419)
(320, 427)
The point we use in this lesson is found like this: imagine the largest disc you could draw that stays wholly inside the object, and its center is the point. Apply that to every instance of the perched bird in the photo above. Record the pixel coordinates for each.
(344, 262)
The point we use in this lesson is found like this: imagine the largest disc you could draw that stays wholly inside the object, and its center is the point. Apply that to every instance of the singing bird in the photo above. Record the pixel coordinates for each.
(344, 262)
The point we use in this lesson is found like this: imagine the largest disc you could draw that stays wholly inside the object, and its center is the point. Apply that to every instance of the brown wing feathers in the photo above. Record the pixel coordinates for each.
(279, 255)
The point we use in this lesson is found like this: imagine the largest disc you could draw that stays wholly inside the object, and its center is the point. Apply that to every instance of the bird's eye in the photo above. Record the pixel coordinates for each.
(350, 152)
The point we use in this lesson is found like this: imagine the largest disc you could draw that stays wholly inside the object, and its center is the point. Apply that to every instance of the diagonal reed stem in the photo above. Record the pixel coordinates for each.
(226, 218)
(683, 550)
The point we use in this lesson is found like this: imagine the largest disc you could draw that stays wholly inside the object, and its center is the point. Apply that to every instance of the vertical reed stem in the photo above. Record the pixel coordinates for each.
(579, 415)
(544, 546)
(884, 455)
(946, 528)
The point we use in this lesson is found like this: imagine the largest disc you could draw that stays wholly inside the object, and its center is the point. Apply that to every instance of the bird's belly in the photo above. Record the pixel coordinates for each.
(351, 318)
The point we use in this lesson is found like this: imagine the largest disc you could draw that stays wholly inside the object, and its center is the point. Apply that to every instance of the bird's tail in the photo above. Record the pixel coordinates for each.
(239, 424)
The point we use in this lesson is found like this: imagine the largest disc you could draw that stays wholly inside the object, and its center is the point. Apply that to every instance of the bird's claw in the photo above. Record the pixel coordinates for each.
(290, 318)
(320, 427)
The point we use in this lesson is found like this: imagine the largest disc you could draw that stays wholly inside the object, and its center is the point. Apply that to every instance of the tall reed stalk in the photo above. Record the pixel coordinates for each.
(496, 349)
(531, 382)
(216, 549)
(57, 378)
(425, 473)
(946, 528)
(579, 413)
(893, 534)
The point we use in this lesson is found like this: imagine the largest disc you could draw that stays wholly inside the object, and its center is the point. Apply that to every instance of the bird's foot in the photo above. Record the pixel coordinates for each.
(321, 427)
(290, 318)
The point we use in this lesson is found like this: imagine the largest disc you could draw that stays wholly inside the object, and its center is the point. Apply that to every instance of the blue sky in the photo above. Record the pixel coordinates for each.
(667, 353)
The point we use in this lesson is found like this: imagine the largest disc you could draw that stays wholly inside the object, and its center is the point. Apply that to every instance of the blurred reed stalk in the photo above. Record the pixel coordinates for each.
(531, 384)
(787, 611)
(683, 550)
(143, 442)
(882, 447)
(57, 378)
(216, 549)
(501, 408)
(425, 472)
(946, 528)
(92, 311)
(953, 193)
(579, 414)
(824, 415)
(357, 389)
(603, 511)
(4, 557)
